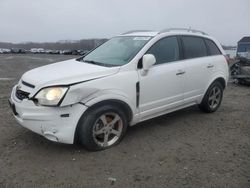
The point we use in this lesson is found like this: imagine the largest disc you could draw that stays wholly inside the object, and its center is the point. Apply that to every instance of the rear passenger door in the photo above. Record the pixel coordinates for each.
(197, 67)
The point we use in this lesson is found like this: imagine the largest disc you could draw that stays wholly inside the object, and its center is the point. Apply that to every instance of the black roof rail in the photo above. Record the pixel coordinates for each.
(183, 29)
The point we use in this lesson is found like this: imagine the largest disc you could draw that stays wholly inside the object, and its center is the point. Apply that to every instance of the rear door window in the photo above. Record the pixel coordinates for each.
(212, 48)
(194, 47)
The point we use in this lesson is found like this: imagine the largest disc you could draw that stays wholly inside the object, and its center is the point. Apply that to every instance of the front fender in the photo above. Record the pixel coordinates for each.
(77, 94)
(118, 95)
(109, 95)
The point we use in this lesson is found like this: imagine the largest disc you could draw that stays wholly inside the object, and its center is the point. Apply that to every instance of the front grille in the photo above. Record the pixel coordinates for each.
(21, 94)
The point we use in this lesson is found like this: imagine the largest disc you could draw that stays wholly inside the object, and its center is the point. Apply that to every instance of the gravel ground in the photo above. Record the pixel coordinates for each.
(187, 148)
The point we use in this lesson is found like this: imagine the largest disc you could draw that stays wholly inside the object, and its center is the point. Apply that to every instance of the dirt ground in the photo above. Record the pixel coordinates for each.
(187, 148)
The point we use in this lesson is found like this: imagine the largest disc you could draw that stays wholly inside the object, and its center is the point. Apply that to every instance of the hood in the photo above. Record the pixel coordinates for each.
(66, 72)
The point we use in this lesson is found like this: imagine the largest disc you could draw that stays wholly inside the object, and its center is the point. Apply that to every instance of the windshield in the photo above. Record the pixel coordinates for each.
(117, 51)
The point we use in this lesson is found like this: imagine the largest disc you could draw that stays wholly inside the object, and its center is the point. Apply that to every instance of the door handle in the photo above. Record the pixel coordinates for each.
(210, 66)
(180, 72)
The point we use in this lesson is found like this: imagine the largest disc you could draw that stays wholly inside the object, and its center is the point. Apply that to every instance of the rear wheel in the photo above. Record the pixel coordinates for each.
(102, 127)
(213, 97)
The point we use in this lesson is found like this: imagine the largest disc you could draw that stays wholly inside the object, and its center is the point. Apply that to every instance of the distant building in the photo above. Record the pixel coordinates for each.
(243, 49)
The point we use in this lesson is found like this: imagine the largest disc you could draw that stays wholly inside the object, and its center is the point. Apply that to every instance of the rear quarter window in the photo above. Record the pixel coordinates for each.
(194, 47)
(212, 47)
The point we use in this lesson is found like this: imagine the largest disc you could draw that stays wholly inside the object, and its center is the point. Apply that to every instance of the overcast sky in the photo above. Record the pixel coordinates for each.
(53, 20)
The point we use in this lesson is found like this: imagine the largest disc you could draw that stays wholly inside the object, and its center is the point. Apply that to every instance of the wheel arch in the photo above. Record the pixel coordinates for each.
(115, 102)
(218, 78)
(203, 104)
(221, 80)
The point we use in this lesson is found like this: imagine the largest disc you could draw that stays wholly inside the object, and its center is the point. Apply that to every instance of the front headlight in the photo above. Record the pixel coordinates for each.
(51, 96)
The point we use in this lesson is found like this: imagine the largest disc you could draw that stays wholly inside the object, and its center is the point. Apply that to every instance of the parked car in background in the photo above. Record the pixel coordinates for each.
(17, 50)
(40, 51)
(83, 52)
(64, 52)
(6, 51)
(37, 50)
(131, 78)
(243, 48)
(33, 50)
(67, 52)
(48, 51)
(55, 52)
(1, 51)
(74, 52)
(240, 69)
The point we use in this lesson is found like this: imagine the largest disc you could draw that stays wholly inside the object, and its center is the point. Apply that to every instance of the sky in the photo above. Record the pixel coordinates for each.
(54, 20)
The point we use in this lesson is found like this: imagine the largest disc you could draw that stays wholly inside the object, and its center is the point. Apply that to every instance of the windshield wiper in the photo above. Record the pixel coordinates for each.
(92, 62)
(97, 63)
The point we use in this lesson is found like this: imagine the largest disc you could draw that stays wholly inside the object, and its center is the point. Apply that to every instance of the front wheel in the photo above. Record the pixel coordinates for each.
(102, 127)
(212, 99)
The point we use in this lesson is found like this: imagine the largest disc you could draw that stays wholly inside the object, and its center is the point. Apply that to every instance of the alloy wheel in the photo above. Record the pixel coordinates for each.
(214, 97)
(107, 129)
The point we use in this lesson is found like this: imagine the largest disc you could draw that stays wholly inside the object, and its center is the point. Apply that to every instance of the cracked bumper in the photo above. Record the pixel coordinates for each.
(54, 123)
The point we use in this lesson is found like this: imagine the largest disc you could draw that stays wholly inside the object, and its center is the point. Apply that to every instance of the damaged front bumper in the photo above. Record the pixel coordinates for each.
(54, 123)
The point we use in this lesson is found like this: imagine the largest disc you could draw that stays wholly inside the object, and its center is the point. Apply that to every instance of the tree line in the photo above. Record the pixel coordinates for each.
(84, 44)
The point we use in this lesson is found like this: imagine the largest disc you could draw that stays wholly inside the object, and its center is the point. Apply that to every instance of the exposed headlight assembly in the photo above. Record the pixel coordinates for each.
(51, 96)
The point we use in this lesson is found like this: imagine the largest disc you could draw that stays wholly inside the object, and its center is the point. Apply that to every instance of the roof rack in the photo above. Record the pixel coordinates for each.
(183, 29)
(135, 31)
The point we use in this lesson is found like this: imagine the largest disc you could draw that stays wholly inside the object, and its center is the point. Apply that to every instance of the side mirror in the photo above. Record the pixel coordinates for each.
(148, 61)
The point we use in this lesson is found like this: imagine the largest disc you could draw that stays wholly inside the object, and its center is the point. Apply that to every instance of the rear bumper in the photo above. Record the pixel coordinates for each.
(54, 123)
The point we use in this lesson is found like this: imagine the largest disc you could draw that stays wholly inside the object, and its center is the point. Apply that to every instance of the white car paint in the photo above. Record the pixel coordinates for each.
(66, 72)
(161, 90)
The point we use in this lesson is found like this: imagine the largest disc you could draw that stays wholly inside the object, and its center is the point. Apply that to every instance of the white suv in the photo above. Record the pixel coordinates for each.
(132, 77)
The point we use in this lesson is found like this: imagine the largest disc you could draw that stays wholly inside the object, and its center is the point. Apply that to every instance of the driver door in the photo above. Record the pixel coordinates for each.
(161, 89)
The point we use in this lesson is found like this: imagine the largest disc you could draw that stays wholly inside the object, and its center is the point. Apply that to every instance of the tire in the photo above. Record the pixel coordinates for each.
(102, 127)
(213, 97)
